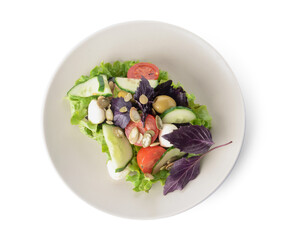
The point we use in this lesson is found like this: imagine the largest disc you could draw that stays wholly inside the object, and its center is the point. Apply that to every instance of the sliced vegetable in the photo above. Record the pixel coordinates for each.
(96, 86)
(178, 115)
(148, 70)
(147, 157)
(130, 84)
(119, 147)
(169, 156)
(101, 84)
(150, 124)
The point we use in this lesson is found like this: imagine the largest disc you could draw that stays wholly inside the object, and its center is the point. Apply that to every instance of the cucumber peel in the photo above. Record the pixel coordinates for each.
(170, 155)
(178, 114)
(119, 148)
(96, 86)
(101, 84)
(131, 84)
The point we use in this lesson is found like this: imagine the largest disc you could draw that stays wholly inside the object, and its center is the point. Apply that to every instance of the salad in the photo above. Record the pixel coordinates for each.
(149, 127)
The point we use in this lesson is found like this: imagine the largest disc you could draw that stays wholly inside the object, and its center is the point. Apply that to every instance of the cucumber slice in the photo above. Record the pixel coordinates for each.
(178, 115)
(131, 84)
(95, 86)
(170, 155)
(101, 84)
(119, 148)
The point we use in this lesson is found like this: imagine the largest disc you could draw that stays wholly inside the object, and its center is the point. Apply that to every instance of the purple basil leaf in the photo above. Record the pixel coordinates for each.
(180, 97)
(178, 94)
(181, 173)
(185, 170)
(191, 139)
(146, 89)
(120, 119)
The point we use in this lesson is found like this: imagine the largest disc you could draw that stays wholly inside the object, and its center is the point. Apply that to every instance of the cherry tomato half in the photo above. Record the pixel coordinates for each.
(150, 124)
(148, 70)
(147, 157)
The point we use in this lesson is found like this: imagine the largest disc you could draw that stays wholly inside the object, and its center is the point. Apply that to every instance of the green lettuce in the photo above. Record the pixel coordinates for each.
(95, 132)
(117, 69)
(78, 108)
(163, 76)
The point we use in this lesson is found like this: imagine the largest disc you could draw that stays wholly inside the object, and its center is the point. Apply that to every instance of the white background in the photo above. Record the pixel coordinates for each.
(35, 38)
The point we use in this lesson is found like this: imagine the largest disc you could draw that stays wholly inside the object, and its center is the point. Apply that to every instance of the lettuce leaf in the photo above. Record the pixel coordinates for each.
(163, 76)
(95, 132)
(79, 108)
(203, 117)
(117, 69)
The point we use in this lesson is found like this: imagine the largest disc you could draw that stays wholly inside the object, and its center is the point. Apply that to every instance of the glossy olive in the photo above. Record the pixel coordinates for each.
(163, 102)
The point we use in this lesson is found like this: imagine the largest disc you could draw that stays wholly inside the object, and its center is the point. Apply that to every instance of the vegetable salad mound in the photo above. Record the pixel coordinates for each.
(149, 127)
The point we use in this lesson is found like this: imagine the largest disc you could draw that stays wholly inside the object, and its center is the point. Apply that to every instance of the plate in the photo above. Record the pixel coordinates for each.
(188, 59)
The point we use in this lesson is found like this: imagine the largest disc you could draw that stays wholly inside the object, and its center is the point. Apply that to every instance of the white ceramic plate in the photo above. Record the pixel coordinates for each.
(188, 59)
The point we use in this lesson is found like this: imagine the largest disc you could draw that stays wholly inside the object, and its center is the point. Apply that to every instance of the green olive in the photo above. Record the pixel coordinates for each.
(162, 103)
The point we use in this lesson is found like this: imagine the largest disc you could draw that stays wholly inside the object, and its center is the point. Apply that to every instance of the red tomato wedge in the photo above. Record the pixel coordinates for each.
(148, 70)
(147, 157)
(150, 124)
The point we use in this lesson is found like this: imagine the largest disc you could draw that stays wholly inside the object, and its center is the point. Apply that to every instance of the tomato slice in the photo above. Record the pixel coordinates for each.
(147, 157)
(150, 124)
(148, 70)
